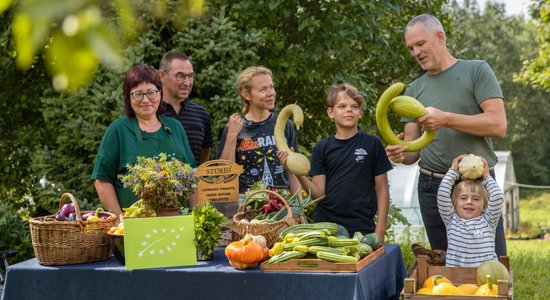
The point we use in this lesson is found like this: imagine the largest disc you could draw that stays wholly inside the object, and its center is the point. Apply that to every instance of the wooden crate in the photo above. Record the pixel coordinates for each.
(319, 265)
(458, 276)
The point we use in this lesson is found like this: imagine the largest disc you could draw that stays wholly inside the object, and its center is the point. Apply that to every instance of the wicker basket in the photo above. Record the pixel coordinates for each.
(71, 242)
(270, 230)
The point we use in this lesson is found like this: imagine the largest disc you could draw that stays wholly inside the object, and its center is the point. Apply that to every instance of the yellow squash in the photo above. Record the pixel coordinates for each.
(403, 106)
(468, 288)
(297, 163)
(487, 289)
(433, 280)
(445, 288)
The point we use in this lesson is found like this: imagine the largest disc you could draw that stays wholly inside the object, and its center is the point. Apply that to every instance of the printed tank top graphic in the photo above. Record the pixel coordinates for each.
(257, 152)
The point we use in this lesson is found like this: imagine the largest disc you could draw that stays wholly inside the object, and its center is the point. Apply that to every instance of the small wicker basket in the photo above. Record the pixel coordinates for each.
(270, 230)
(71, 242)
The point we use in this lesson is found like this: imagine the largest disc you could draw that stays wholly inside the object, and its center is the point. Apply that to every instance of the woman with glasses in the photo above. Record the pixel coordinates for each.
(249, 139)
(141, 132)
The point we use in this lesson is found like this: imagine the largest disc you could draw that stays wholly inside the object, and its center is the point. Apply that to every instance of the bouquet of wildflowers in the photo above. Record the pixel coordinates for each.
(160, 182)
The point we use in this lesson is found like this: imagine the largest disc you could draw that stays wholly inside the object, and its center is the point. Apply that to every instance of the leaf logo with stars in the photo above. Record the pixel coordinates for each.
(160, 241)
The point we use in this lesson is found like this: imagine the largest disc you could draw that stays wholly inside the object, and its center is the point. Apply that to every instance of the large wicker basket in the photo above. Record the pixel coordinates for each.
(71, 242)
(270, 230)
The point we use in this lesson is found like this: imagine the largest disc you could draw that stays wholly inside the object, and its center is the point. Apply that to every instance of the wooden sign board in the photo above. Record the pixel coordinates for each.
(218, 181)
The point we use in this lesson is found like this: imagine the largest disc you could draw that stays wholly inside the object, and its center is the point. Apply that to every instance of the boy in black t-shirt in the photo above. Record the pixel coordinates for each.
(350, 168)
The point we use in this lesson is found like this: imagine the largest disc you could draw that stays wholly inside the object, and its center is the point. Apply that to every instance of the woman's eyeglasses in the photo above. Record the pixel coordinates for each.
(138, 96)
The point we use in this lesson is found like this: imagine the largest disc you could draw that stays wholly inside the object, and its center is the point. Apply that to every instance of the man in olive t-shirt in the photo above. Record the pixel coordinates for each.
(466, 107)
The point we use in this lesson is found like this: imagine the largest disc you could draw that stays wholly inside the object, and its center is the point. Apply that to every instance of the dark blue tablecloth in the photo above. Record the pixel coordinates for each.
(382, 279)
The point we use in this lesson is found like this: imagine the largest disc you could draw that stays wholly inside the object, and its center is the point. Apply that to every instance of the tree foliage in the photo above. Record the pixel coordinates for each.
(504, 42)
(77, 36)
(536, 71)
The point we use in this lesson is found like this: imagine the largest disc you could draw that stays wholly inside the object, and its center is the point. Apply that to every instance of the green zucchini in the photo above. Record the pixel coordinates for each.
(332, 257)
(286, 256)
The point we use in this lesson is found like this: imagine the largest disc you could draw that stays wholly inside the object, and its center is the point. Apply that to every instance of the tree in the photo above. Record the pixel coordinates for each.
(536, 71)
(312, 44)
(503, 41)
(77, 36)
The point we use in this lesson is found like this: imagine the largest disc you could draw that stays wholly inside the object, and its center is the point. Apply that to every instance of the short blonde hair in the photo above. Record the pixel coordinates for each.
(470, 185)
(352, 92)
(244, 79)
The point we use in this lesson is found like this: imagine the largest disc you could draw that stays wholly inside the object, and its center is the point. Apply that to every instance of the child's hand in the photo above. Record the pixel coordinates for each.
(456, 161)
(282, 158)
(485, 171)
(396, 153)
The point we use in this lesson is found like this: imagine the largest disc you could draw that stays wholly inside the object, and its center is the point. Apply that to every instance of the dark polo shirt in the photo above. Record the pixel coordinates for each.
(196, 121)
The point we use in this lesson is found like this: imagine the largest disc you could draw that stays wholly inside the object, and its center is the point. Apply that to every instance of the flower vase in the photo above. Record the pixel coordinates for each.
(168, 212)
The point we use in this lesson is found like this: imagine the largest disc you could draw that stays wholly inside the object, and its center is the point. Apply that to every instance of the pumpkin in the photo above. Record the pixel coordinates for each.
(494, 268)
(431, 281)
(445, 288)
(297, 163)
(260, 239)
(245, 253)
(468, 288)
(470, 166)
(487, 289)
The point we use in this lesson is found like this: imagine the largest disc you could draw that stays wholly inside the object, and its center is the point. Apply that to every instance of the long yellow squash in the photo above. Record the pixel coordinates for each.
(297, 163)
(404, 106)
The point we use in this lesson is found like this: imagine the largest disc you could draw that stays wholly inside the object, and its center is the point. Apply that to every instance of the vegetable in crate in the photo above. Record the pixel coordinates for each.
(493, 268)
(468, 288)
(487, 289)
(431, 281)
(372, 240)
(445, 288)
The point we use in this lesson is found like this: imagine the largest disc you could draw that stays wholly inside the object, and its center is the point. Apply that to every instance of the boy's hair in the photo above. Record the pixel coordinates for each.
(471, 185)
(243, 81)
(350, 90)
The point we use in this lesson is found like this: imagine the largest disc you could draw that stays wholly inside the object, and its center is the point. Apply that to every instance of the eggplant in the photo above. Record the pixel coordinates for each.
(72, 216)
(66, 210)
(86, 215)
(60, 217)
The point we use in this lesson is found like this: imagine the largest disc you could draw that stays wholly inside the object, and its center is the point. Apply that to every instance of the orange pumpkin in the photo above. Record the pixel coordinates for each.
(434, 280)
(245, 253)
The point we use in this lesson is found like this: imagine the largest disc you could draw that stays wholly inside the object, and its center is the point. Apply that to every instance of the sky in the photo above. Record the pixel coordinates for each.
(512, 6)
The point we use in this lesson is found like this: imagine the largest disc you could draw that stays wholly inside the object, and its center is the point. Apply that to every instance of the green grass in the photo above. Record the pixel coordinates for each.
(530, 263)
(533, 214)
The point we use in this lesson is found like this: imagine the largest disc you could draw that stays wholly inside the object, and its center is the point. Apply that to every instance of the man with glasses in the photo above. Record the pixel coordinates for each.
(177, 75)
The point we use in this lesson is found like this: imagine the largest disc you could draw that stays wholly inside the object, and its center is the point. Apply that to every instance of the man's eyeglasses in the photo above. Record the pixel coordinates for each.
(182, 76)
(138, 96)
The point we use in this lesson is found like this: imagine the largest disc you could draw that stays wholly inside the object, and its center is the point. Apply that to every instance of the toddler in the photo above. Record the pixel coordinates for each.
(470, 212)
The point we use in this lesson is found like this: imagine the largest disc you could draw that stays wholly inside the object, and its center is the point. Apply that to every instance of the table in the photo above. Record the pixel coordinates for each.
(216, 279)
